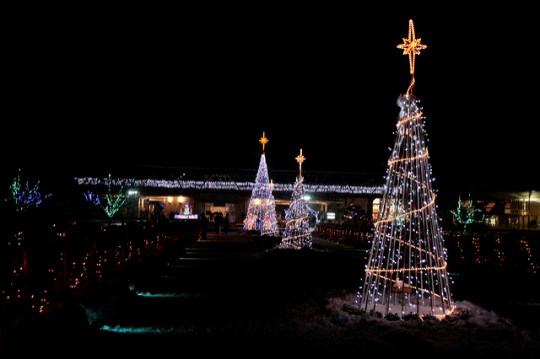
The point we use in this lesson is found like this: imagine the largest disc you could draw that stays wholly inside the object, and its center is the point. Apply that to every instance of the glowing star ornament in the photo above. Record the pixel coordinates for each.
(263, 141)
(300, 159)
(411, 46)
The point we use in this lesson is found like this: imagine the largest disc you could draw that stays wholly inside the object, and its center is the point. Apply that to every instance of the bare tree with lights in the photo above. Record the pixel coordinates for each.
(297, 234)
(465, 213)
(23, 196)
(261, 214)
(114, 198)
(406, 271)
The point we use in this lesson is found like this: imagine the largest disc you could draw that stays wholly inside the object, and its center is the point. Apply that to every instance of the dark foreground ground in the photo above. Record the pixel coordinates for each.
(235, 295)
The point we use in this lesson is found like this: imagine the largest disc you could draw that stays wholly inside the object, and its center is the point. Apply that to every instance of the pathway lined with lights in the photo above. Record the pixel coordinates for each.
(218, 282)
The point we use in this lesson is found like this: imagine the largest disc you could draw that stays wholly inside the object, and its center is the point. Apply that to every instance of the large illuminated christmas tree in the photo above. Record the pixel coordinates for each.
(297, 234)
(406, 271)
(261, 214)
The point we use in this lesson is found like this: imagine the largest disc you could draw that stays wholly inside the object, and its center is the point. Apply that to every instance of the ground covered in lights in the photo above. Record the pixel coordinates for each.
(249, 302)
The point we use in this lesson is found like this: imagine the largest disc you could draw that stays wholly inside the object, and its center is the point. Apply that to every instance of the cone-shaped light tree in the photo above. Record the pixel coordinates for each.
(407, 269)
(261, 214)
(297, 234)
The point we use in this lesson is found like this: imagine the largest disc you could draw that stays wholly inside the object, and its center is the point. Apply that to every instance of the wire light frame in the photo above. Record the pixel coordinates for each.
(406, 272)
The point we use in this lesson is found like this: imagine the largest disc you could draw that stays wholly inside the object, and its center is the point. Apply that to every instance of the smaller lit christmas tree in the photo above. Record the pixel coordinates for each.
(297, 234)
(261, 214)
(269, 222)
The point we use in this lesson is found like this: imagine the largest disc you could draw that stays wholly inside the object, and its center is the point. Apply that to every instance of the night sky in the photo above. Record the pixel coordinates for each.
(98, 88)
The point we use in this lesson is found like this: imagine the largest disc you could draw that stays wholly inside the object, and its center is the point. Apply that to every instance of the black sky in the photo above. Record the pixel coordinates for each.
(197, 87)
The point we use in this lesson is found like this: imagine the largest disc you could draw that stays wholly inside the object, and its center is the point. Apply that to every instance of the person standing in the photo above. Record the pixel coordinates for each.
(218, 221)
(203, 223)
(226, 222)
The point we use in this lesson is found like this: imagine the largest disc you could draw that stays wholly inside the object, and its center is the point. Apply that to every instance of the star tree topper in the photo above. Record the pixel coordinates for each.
(300, 158)
(263, 140)
(412, 47)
